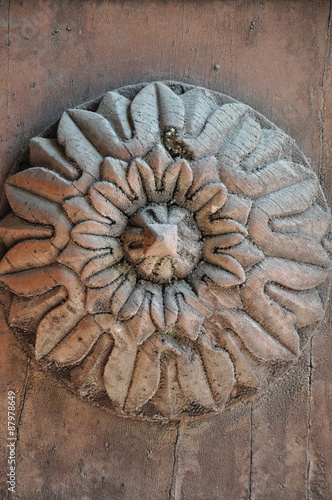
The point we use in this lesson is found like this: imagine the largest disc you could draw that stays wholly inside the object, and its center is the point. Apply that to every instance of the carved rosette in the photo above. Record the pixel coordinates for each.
(165, 252)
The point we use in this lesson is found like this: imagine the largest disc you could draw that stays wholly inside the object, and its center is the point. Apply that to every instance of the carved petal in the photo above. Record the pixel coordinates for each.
(205, 171)
(28, 254)
(270, 178)
(49, 154)
(133, 304)
(257, 340)
(76, 257)
(246, 253)
(14, 229)
(240, 142)
(135, 183)
(199, 104)
(224, 241)
(271, 146)
(23, 282)
(116, 196)
(171, 307)
(37, 281)
(114, 107)
(145, 117)
(230, 273)
(245, 375)
(122, 293)
(158, 159)
(49, 335)
(120, 365)
(107, 276)
(44, 183)
(299, 247)
(314, 222)
(98, 300)
(158, 309)
(215, 130)
(144, 111)
(191, 298)
(38, 210)
(193, 380)
(169, 399)
(78, 343)
(204, 195)
(177, 180)
(146, 376)
(171, 108)
(224, 261)
(79, 210)
(141, 326)
(78, 148)
(100, 133)
(206, 223)
(115, 171)
(148, 179)
(219, 370)
(189, 321)
(218, 297)
(269, 314)
(27, 312)
(235, 208)
(94, 235)
(107, 209)
(307, 306)
(96, 265)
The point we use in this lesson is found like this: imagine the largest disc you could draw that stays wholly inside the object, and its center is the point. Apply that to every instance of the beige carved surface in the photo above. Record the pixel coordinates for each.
(165, 252)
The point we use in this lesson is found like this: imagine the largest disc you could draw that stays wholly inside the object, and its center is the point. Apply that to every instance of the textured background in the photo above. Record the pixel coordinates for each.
(274, 56)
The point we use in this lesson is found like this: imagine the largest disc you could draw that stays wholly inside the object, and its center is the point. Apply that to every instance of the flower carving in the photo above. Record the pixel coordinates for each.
(163, 248)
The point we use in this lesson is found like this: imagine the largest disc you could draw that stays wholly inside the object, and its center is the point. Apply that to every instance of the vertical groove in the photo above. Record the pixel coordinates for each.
(309, 423)
(8, 60)
(250, 453)
(172, 487)
(24, 394)
(323, 89)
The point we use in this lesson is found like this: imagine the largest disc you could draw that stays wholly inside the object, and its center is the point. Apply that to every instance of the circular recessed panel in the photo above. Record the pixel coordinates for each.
(165, 251)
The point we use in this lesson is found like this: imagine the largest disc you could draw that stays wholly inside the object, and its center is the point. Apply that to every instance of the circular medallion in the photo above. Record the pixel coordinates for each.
(165, 251)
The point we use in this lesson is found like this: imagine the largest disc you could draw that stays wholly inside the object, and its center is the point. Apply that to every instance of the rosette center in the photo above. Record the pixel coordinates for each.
(163, 242)
(160, 240)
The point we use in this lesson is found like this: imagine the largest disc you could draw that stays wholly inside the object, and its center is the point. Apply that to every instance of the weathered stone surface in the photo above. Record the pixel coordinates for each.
(162, 198)
(101, 464)
(280, 450)
(274, 56)
(213, 458)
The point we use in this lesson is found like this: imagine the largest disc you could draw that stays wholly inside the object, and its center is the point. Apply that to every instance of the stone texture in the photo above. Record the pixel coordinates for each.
(103, 462)
(274, 56)
(165, 198)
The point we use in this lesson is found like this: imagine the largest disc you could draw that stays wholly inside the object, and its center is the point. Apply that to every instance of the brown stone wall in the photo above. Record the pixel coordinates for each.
(274, 56)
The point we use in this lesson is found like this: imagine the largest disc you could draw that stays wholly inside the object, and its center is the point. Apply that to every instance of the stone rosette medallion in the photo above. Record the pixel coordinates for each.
(164, 251)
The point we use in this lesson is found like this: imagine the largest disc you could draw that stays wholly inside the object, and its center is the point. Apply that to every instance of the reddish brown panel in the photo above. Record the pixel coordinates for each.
(325, 109)
(270, 55)
(212, 459)
(65, 451)
(14, 368)
(280, 437)
(320, 443)
(118, 184)
(320, 416)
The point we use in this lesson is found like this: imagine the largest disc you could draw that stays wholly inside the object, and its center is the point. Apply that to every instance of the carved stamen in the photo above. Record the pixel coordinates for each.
(160, 240)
